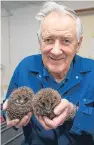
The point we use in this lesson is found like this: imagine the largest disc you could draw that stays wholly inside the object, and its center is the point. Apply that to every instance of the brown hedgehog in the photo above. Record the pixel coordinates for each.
(45, 101)
(20, 103)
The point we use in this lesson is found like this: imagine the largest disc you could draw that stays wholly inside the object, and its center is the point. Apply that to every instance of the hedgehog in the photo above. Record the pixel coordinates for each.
(45, 101)
(20, 103)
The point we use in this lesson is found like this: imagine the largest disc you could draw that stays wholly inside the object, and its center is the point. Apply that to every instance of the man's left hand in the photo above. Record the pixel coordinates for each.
(63, 111)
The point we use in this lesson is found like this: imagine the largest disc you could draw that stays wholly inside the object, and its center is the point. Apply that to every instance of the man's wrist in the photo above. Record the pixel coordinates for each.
(74, 112)
(72, 115)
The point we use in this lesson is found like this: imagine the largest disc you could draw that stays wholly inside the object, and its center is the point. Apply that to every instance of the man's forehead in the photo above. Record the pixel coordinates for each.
(56, 26)
(56, 33)
(53, 16)
(58, 23)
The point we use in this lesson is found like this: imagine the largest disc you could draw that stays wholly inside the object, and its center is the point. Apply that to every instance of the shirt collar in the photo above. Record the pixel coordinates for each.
(82, 65)
(45, 72)
(78, 63)
(70, 71)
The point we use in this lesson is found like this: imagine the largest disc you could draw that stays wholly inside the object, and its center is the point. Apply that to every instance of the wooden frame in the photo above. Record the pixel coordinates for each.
(85, 11)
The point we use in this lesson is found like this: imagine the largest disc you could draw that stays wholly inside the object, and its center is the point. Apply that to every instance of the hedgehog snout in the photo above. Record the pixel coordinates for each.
(20, 103)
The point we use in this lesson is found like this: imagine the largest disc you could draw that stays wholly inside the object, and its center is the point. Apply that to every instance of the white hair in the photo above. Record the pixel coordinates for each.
(49, 7)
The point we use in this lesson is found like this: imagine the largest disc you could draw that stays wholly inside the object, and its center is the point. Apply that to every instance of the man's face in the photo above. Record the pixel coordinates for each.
(59, 42)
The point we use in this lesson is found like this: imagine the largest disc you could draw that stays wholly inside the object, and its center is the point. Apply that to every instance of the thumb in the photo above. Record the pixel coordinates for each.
(5, 105)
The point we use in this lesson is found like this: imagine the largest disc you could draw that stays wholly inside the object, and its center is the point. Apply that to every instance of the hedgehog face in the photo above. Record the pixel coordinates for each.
(20, 103)
(45, 101)
(21, 99)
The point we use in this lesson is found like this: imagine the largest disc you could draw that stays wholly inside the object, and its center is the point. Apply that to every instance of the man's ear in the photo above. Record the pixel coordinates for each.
(79, 43)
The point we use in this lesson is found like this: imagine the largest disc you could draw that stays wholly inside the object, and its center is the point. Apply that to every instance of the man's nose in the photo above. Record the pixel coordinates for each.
(56, 50)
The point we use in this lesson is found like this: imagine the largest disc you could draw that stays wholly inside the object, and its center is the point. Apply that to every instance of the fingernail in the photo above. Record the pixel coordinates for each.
(27, 117)
(17, 120)
(56, 112)
(38, 115)
(29, 113)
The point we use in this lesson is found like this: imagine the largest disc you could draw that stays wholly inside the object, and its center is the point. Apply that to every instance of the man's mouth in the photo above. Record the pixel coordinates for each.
(56, 59)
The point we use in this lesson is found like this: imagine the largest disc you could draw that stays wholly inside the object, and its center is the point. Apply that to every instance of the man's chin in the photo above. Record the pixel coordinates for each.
(55, 70)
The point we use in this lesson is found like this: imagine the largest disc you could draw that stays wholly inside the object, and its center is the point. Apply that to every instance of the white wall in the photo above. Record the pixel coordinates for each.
(23, 29)
(5, 65)
(19, 39)
(88, 28)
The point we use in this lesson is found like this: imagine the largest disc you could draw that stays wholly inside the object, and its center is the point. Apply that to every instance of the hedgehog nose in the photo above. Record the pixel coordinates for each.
(22, 101)
(48, 109)
(17, 101)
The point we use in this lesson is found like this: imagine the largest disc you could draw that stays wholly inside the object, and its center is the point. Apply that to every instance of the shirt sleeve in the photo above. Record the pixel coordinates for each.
(12, 86)
(84, 118)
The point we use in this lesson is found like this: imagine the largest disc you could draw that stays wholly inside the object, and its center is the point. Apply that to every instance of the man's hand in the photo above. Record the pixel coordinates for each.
(17, 123)
(63, 111)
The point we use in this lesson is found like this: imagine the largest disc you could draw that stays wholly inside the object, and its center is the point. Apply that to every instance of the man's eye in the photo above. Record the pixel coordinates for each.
(49, 41)
(66, 42)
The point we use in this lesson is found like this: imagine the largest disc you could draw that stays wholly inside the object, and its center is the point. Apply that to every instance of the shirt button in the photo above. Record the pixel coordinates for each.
(84, 100)
(77, 77)
(39, 76)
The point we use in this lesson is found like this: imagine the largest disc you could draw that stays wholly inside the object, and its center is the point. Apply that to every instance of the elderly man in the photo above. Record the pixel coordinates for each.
(58, 67)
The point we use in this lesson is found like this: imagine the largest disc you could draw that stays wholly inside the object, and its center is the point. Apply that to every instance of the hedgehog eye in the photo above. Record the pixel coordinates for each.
(19, 97)
(55, 98)
(52, 103)
(43, 104)
(21, 101)
(25, 99)
(17, 101)
(47, 101)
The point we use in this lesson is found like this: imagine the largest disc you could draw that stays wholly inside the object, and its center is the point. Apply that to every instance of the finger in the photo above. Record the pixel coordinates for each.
(23, 121)
(28, 120)
(49, 122)
(61, 118)
(29, 114)
(41, 121)
(71, 108)
(5, 105)
(12, 122)
(61, 107)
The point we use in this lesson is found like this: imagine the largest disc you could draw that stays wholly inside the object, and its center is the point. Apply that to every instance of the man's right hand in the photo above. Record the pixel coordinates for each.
(17, 123)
